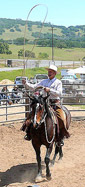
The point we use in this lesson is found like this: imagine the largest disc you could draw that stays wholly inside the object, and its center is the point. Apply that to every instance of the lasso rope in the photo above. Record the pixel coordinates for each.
(40, 29)
(53, 132)
(44, 121)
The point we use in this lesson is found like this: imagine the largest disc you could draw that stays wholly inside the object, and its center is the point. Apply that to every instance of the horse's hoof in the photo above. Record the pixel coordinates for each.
(60, 157)
(48, 177)
(52, 164)
(38, 178)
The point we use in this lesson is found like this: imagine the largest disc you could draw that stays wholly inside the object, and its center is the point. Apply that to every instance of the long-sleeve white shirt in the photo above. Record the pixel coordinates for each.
(54, 84)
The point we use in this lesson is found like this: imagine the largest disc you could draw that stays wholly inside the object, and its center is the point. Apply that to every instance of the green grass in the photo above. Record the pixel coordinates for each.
(74, 54)
(2, 65)
(11, 75)
(80, 106)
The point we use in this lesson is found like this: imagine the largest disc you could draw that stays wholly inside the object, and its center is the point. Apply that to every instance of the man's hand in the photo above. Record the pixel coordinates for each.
(47, 89)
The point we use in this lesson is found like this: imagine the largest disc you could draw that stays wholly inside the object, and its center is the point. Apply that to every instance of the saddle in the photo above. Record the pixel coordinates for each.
(60, 120)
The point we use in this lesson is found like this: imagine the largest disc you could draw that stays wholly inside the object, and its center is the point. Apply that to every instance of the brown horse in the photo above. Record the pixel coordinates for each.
(45, 131)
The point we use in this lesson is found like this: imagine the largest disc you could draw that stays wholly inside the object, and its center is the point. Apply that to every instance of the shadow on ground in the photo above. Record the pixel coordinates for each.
(19, 173)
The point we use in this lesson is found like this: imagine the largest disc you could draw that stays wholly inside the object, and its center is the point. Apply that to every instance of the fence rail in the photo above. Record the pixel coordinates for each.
(19, 111)
(39, 63)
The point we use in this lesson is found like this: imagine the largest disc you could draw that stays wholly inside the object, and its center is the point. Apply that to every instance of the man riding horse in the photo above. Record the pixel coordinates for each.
(53, 87)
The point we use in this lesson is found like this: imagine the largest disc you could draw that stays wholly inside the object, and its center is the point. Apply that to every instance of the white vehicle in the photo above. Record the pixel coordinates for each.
(18, 81)
(70, 79)
(38, 78)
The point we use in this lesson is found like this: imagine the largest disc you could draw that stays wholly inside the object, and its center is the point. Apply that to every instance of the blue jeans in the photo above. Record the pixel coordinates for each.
(6, 97)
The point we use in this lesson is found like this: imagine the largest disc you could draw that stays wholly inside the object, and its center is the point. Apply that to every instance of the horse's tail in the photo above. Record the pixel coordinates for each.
(62, 129)
(68, 120)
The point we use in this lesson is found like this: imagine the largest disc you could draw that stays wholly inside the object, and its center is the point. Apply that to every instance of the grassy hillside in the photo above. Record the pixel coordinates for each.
(7, 35)
(14, 28)
(11, 29)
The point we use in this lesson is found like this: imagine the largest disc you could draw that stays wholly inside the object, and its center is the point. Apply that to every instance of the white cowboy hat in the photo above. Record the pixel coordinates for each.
(53, 67)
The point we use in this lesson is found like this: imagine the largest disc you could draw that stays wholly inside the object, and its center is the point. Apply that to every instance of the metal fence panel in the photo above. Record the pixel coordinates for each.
(19, 111)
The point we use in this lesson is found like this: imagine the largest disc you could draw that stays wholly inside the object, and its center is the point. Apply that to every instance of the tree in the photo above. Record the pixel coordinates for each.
(43, 55)
(83, 58)
(20, 41)
(21, 52)
(29, 54)
(4, 48)
(11, 30)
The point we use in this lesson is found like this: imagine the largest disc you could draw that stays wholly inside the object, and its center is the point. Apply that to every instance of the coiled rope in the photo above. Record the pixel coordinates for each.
(40, 29)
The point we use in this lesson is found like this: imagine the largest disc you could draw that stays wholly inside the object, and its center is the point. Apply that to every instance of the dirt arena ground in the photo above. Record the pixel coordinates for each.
(18, 166)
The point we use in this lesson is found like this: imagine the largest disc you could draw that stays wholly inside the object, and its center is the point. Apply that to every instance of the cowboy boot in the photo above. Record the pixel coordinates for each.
(28, 135)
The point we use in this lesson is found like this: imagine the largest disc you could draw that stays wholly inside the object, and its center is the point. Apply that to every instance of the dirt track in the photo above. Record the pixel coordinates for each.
(18, 167)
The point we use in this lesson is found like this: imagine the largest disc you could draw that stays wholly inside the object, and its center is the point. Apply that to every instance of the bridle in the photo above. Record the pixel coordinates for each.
(43, 117)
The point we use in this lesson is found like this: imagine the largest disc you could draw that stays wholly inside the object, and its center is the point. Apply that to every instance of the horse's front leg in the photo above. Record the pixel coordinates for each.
(47, 161)
(38, 157)
(60, 152)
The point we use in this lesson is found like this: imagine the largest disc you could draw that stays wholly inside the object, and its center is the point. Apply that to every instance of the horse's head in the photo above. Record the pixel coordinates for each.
(38, 106)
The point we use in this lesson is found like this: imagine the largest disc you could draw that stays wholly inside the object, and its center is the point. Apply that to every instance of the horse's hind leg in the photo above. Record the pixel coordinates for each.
(55, 154)
(58, 149)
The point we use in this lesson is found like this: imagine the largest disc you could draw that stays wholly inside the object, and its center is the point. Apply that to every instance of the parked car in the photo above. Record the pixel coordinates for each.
(80, 92)
(70, 79)
(82, 76)
(38, 78)
(18, 81)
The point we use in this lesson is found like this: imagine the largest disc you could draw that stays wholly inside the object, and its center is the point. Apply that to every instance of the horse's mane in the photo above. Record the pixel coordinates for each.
(47, 109)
